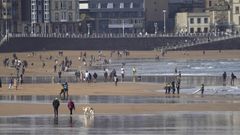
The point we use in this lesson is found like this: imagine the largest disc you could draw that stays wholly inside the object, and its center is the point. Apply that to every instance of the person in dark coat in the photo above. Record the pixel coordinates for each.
(95, 77)
(202, 89)
(55, 105)
(224, 78)
(71, 106)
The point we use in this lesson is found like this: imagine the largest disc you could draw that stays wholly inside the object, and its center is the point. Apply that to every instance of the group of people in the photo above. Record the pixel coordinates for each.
(173, 86)
(233, 77)
(56, 104)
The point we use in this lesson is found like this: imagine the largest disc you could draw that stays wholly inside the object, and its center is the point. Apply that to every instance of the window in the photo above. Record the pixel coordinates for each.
(63, 5)
(210, 3)
(56, 5)
(205, 20)
(110, 5)
(131, 5)
(104, 5)
(99, 5)
(64, 15)
(121, 5)
(198, 20)
(199, 30)
(237, 10)
(205, 30)
(239, 20)
(191, 20)
(70, 16)
(56, 16)
(191, 30)
(70, 7)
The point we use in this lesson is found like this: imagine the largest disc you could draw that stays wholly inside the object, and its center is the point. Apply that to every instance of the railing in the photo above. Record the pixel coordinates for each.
(112, 35)
(202, 41)
(3, 39)
(189, 81)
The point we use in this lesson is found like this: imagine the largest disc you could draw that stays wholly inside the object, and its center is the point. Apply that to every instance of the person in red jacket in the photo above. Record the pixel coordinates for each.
(71, 106)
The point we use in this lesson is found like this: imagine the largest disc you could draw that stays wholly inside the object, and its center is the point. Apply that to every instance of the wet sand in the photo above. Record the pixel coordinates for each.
(136, 89)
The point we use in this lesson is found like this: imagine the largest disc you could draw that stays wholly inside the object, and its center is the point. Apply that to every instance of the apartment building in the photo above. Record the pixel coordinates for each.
(64, 16)
(192, 22)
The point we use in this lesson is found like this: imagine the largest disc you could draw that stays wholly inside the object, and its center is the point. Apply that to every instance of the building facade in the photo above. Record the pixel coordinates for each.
(40, 16)
(117, 16)
(10, 16)
(64, 16)
(235, 10)
(156, 12)
(192, 22)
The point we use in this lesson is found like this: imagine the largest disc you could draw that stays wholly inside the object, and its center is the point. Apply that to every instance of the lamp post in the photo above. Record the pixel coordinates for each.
(123, 28)
(6, 20)
(88, 25)
(156, 27)
(164, 21)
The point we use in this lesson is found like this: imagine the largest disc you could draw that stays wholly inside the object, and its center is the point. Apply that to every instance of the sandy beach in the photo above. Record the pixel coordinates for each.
(35, 64)
(123, 89)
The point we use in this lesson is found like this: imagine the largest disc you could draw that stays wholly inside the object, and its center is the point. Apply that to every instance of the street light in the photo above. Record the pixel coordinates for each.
(6, 20)
(156, 27)
(123, 27)
(88, 25)
(164, 21)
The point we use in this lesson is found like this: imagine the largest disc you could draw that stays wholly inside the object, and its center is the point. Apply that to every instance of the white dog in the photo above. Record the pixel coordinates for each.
(88, 111)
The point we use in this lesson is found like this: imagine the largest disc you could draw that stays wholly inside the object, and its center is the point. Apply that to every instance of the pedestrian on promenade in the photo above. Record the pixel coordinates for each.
(71, 106)
(55, 105)
(224, 78)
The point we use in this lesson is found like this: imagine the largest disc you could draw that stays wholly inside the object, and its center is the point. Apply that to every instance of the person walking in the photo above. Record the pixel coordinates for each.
(95, 77)
(115, 79)
(224, 78)
(173, 87)
(202, 89)
(134, 71)
(233, 77)
(65, 87)
(122, 73)
(55, 105)
(71, 106)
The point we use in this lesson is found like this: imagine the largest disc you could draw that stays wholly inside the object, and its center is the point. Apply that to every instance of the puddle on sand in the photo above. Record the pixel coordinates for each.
(168, 99)
(170, 123)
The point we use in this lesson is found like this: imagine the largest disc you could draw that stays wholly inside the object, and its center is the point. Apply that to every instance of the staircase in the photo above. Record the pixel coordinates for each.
(204, 41)
(4, 39)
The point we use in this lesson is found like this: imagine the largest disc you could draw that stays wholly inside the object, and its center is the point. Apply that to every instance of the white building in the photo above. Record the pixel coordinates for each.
(192, 22)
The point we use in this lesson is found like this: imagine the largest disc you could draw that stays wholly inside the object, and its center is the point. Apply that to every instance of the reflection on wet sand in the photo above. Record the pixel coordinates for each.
(173, 123)
(168, 99)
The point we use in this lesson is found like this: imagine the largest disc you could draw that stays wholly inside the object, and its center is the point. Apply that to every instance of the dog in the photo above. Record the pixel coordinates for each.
(88, 111)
